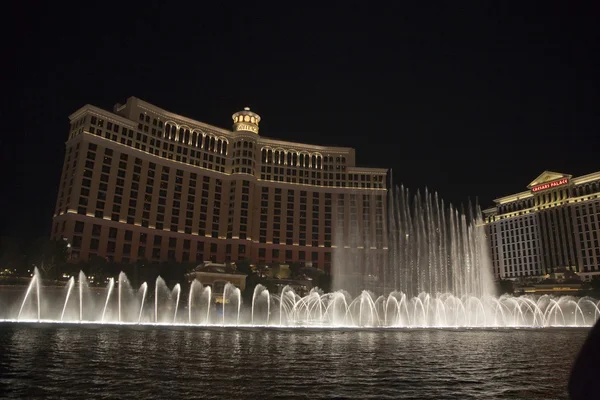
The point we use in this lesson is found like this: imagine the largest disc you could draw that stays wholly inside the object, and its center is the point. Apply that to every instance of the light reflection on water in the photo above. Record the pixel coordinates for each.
(123, 362)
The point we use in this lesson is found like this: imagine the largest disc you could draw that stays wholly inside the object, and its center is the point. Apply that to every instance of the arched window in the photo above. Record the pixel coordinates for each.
(225, 147)
(206, 142)
(194, 138)
(264, 155)
(173, 132)
(313, 161)
(187, 136)
(295, 159)
(270, 156)
(219, 142)
(289, 158)
(212, 143)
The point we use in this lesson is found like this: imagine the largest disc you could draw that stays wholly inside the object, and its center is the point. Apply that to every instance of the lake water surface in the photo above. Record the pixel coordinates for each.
(57, 361)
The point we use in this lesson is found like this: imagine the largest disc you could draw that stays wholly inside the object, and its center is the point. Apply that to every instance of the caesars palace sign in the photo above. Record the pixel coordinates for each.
(549, 185)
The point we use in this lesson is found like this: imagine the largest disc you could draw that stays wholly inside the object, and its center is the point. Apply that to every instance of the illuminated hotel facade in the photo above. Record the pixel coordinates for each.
(144, 183)
(553, 226)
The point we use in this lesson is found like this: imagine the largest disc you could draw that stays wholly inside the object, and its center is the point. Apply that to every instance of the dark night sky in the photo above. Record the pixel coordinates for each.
(471, 101)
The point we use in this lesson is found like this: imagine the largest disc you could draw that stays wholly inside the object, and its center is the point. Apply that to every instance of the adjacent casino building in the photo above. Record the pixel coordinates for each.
(141, 182)
(554, 226)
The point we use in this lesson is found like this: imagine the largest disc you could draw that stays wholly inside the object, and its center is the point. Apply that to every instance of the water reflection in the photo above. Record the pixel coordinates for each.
(164, 363)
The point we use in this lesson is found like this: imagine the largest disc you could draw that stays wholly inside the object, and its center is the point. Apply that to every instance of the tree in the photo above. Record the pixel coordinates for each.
(11, 256)
(262, 270)
(243, 266)
(505, 286)
(46, 254)
(595, 285)
(323, 282)
(295, 268)
(97, 266)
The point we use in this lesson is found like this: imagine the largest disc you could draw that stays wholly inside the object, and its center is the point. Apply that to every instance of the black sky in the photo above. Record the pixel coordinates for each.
(470, 101)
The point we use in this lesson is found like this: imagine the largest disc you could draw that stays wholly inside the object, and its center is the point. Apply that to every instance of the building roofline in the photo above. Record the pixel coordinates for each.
(527, 194)
(279, 142)
(367, 169)
(101, 112)
(586, 178)
(261, 139)
(513, 197)
(151, 107)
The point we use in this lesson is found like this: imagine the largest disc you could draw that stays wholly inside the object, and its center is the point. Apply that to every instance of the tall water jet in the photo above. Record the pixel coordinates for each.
(111, 285)
(208, 289)
(432, 248)
(177, 289)
(191, 298)
(35, 282)
(144, 289)
(158, 283)
(82, 278)
(165, 301)
(70, 284)
(260, 290)
(287, 300)
(199, 303)
(122, 280)
(231, 292)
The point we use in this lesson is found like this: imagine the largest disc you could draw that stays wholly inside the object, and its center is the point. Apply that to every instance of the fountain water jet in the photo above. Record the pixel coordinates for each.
(396, 310)
(144, 289)
(82, 278)
(260, 290)
(178, 289)
(111, 284)
(71, 283)
(34, 281)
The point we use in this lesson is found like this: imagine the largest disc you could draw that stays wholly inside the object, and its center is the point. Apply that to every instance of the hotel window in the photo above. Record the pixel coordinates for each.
(79, 226)
(94, 244)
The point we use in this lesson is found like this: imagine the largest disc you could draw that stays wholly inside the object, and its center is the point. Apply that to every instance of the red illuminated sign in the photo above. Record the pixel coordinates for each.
(550, 185)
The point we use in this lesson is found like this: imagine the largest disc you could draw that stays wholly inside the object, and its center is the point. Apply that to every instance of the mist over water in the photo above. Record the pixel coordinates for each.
(432, 248)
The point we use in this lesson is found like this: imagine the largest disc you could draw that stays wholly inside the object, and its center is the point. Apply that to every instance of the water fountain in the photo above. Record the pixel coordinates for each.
(316, 309)
(437, 275)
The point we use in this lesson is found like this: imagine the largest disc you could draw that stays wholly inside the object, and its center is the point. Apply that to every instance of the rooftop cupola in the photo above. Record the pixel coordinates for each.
(245, 120)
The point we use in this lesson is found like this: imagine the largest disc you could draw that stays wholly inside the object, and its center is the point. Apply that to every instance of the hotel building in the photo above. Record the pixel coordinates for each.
(553, 226)
(141, 182)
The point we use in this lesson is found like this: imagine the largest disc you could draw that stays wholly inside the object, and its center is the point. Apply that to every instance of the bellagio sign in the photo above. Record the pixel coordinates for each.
(550, 185)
